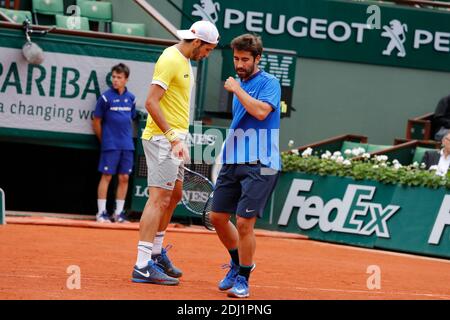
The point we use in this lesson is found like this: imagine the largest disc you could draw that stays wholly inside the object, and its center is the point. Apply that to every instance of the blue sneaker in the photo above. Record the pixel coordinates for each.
(121, 218)
(228, 282)
(103, 217)
(240, 288)
(163, 262)
(152, 274)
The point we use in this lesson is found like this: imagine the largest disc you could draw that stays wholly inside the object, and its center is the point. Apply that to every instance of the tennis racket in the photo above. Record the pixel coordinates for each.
(197, 195)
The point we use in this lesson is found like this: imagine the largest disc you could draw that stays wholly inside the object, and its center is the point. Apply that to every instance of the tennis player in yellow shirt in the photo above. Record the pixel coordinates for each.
(163, 141)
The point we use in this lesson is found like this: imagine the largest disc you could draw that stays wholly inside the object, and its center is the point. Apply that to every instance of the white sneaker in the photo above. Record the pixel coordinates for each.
(121, 218)
(103, 217)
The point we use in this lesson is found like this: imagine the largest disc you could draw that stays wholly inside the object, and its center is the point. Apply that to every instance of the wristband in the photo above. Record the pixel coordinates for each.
(171, 135)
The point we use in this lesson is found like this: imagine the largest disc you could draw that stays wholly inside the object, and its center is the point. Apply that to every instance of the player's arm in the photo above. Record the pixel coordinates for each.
(99, 113)
(258, 109)
(97, 126)
(153, 107)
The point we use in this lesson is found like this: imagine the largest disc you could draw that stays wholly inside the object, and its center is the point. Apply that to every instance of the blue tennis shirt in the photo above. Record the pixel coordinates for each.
(116, 112)
(250, 139)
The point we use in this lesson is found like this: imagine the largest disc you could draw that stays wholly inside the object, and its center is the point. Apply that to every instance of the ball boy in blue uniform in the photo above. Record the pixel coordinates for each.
(114, 112)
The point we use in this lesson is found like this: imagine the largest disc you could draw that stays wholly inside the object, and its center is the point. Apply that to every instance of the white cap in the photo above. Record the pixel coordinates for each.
(203, 30)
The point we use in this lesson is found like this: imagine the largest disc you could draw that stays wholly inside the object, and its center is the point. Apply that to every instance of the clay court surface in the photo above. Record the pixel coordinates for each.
(34, 259)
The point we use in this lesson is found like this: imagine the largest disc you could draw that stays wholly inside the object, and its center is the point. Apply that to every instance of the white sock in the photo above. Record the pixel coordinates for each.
(101, 204)
(119, 206)
(157, 243)
(144, 253)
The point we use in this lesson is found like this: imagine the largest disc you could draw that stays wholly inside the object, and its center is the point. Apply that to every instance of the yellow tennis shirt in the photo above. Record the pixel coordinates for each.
(173, 73)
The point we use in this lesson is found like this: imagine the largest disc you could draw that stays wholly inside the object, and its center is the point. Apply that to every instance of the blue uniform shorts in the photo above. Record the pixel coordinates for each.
(244, 189)
(116, 161)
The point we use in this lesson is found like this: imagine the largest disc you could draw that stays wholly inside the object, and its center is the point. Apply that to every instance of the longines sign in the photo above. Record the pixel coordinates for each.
(338, 30)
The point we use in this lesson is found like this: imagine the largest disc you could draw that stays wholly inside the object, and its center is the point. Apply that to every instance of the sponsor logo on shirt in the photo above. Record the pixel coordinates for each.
(120, 109)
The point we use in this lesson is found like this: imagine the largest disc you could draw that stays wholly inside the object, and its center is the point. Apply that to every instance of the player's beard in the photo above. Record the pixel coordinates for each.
(196, 54)
(245, 73)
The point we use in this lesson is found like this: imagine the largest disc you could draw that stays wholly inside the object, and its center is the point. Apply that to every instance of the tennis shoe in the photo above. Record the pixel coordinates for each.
(103, 217)
(121, 217)
(228, 282)
(163, 262)
(152, 274)
(240, 288)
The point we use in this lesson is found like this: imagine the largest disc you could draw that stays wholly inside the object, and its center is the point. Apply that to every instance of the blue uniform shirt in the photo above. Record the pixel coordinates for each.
(116, 112)
(250, 139)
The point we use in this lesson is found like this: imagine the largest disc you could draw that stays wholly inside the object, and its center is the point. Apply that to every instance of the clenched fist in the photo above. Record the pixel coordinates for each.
(231, 85)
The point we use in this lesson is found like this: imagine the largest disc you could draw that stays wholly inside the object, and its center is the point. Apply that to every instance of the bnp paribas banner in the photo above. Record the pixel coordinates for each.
(364, 213)
(60, 95)
(367, 32)
(53, 103)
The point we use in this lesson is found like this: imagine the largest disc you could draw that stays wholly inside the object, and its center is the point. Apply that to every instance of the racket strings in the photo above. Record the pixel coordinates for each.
(207, 210)
(196, 192)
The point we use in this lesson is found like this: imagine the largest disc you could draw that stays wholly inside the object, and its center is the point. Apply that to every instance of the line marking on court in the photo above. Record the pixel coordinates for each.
(378, 292)
(385, 252)
(43, 221)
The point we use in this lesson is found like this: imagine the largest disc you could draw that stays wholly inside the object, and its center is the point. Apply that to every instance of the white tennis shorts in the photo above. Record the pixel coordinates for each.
(164, 169)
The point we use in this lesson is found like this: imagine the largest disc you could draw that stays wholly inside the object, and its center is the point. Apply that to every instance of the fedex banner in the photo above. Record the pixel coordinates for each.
(364, 213)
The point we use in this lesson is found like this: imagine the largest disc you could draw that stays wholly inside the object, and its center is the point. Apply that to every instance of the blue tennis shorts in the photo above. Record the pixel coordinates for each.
(116, 161)
(244, 189)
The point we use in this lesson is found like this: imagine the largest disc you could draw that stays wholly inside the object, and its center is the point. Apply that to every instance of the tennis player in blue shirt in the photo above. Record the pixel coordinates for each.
(251, 161)
(113, 115)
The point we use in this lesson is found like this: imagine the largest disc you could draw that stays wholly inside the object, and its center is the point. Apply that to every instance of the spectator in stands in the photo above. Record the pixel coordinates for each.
(113, 127)
(441, 119)
(440, 159)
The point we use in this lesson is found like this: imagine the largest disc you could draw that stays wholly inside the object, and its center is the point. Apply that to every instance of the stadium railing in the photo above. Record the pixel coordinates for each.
(333, 144)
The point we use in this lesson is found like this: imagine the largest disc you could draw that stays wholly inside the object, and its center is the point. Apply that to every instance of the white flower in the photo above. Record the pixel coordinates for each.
(415, 164)
(423, 165)
(291, 143)
(348, 152)
(307, 152)
(358, 151)
(366, 156)
(340, 159)
(376, 166)
(381, 158)
(295, 151)
(347, 163)
(337, 153)
(397, 166)
(433, 168)
(395, 162)
(383, 165)
(333, 158)
(326, 155)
